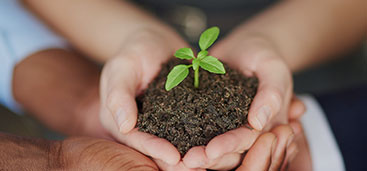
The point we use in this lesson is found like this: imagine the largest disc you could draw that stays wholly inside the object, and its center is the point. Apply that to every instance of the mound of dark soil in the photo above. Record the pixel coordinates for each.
(189, 117)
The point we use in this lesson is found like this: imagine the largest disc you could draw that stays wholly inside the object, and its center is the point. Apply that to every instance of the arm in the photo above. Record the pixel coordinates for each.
(134, 45)
(289, 36)
(100, 28)
(308, 32)
(60, 89)
(18, 153)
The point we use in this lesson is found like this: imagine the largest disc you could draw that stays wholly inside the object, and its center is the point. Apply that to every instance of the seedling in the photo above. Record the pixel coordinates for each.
(209, 63)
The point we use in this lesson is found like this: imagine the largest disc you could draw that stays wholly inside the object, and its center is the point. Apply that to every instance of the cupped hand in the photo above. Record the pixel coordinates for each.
(253, 141)
(127, 75)
(139, 61)
(253, 55)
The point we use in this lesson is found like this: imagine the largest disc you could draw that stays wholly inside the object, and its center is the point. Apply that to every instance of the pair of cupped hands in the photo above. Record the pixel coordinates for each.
(274, 109)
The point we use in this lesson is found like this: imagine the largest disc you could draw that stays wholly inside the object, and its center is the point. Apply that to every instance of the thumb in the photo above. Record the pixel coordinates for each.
(118, 86)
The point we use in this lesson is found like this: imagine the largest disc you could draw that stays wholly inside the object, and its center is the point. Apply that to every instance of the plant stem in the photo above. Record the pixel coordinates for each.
(196, 78)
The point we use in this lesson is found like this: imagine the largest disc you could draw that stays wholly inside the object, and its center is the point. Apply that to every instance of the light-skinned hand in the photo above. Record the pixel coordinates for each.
(129, 73)
(263, 154)
(126, 76)
(252, 55)
(197, 157)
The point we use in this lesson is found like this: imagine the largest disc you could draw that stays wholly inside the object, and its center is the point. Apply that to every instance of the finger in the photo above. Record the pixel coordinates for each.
(226, 162)
(302, 160)
(285, 136)
(296, 127)
(259, 156)
(296, 108)
(177, 167)
(118, 92)
(273, 92)
(196, 158)
(153, 146)
(235, 141)
(291, 153)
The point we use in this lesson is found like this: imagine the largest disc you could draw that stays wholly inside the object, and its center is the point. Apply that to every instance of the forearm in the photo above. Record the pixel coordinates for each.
(99, 28)
(18, 153)
(307, 32)
(59, 88)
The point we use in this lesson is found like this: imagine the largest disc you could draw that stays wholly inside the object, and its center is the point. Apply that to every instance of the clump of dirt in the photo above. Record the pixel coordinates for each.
(188, 116)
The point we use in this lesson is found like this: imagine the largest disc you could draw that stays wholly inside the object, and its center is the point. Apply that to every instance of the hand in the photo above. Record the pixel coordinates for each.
(98, 154)
(197, 158)
(127, 75)
(296, 155)
(252, 55)
(79, 153)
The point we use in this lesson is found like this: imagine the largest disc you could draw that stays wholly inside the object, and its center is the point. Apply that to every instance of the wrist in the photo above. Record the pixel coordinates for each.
(155, 42)
(242, 45)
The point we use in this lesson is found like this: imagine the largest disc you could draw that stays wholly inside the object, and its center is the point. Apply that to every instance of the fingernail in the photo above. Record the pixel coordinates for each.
(290, 140)
(121, 119)
(263, 116)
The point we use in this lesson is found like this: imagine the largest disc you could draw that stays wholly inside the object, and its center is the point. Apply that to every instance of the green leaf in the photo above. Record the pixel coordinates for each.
(212, 65)
(208, 37)
(202, 54)
(176, 76)
(195, 63)
(184, 53)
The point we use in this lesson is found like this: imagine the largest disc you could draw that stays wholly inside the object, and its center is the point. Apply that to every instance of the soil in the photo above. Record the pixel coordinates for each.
(188, 116)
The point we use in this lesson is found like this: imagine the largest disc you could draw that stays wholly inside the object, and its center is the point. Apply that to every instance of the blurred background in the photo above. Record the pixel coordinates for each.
(190, 19)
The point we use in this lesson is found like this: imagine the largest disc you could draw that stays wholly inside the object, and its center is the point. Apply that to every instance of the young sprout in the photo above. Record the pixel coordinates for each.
(209, 63)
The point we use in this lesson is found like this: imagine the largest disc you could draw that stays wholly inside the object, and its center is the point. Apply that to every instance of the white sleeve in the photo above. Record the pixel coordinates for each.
(21, 35)
(325, 152)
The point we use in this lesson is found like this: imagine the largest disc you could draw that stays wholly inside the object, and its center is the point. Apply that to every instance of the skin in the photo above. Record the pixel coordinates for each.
(264, 46)
(82, 153)
(60, 89)
(299, 158)
(78, 153)
(73, 78)
(132, 62)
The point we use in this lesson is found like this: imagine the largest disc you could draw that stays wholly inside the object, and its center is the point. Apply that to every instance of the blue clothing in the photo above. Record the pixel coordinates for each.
(346, 112)
(21, 35)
